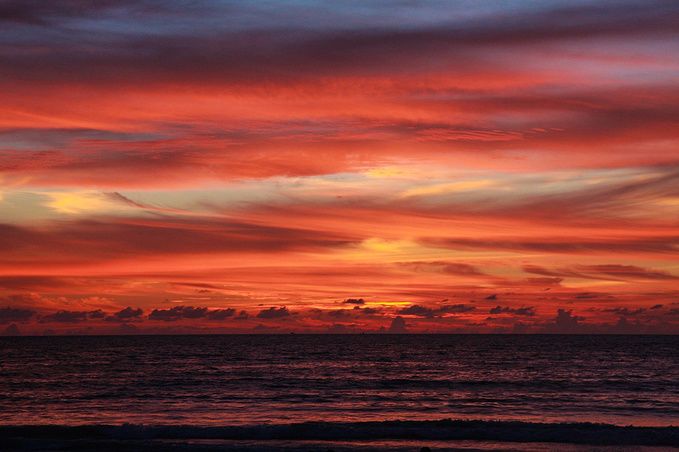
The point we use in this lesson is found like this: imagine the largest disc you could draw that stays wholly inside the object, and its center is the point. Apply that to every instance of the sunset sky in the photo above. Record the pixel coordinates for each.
(234, 166)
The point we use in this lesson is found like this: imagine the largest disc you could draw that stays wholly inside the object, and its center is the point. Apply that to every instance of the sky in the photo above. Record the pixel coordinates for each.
(301, 166)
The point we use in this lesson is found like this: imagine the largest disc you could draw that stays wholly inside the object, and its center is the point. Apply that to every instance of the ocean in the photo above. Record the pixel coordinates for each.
(249, 391)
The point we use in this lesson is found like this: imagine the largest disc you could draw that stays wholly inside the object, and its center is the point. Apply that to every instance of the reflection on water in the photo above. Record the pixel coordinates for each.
(236, 380)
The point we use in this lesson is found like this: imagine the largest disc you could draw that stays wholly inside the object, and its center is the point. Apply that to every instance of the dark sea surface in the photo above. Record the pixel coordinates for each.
(268, 380)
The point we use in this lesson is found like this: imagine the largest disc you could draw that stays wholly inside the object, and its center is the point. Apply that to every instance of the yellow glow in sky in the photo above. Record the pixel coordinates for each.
(452, 187)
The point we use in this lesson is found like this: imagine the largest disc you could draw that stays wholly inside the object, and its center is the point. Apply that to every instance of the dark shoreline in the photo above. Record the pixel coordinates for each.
(17, 437)
(366, 333)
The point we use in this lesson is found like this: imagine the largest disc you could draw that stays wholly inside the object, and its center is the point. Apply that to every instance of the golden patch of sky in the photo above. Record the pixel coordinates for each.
(383, 250)
(31, 206)
(446, 188)
(78, 202)
(380, 185)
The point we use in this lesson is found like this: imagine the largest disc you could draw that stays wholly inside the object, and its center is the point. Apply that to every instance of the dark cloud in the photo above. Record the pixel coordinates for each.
(221, 314)
(566, 323)
(356, 301)
(98, 314)
(242, 315)
(423, 311)
(126, 315)
(398, 326)
(8, 315)
(178, 313)
(72, 316)
(491, 297)
(525, 311)
(418, 310)
(189, 312)
(456, 308)
(274, 313)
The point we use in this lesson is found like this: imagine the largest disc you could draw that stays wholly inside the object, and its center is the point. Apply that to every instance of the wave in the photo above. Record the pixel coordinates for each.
(448, 429)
